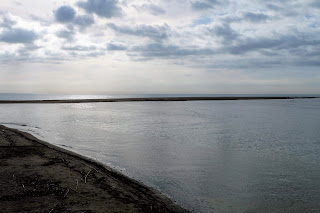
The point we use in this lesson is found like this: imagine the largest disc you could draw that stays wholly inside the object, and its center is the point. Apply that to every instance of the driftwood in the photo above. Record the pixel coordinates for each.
(52, 208)
(66, 193)
(85, 178)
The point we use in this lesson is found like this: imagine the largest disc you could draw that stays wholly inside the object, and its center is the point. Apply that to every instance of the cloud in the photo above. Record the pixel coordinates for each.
(27, 49)
(65, 14)
(168, 51)
(17, 3)
(286, 8)
(284, 42)
(155, 32)
(314, 53)
(83, 51)
(225, 32)
(40, 20)
(273, 7)
(18, 35)
(201, 21)
(315, 3)
(102, 8)
(7, 57)
(205, 4)
(198, 5)
(79, 48)
(248, 16)
(152, 8)
(95, 54)
(255, 17)
(115, 47)
(84, 21)
(66, 34)
(7, 22)
(308, 63)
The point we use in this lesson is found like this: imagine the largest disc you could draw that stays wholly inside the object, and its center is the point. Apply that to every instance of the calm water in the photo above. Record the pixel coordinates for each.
(209, 156)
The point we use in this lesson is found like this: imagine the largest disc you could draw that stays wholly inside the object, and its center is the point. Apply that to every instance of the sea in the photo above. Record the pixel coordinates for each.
(208, 156)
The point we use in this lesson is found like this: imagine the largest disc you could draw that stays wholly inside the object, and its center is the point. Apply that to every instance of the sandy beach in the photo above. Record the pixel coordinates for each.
(39, 177)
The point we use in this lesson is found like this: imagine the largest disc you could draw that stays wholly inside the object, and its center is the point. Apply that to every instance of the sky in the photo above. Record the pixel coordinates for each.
(160, 46)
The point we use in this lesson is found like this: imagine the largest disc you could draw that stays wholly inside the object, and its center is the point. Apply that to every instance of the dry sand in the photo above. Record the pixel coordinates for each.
(38, 177)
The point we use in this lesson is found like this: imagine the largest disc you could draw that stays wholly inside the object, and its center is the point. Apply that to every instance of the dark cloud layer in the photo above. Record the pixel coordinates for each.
(7, 22)
(316, 3)
(204, 4)
(18, 35)
(255, 17)
(284, 8)
(248, 16)
(284, 42)
(225, 32)
(152, 8)
(65, 14)
(201, 5)
(66, 34)
(164, 51)
(27, 49)
(84, 21)
(115, 47)
(155, 32)
(102, 8)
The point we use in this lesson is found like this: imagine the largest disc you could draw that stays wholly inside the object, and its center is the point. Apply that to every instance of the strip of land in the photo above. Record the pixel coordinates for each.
(146, 99)
(36, 176)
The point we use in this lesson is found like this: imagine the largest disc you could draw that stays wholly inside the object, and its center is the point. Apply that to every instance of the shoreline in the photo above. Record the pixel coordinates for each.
(150, 99)
(38, 176)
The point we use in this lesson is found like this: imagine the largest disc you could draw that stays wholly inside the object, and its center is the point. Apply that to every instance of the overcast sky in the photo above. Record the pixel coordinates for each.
(160, 46)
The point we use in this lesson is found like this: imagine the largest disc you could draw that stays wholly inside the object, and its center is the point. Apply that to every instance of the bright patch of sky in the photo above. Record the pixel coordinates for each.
(158, 46)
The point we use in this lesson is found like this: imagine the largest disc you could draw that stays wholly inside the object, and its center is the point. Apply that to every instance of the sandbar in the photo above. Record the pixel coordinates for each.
(149, 99)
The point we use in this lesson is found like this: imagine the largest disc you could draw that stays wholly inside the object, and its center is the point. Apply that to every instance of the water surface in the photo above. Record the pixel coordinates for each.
(209, 156)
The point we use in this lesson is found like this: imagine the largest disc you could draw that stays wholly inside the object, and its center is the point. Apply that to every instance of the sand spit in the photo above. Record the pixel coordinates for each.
(39, 177)
(144, 99)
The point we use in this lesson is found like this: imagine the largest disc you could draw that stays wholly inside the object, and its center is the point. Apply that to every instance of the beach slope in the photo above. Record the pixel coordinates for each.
(39, 177)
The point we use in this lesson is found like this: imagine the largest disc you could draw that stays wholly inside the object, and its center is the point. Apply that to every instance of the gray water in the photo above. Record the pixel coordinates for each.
(209, 156)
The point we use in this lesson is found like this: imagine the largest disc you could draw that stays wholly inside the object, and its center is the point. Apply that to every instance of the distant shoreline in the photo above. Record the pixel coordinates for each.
(149, 99)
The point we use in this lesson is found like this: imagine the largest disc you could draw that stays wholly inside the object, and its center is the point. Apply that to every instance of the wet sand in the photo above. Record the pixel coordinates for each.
(36, 176)
(146, 99)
